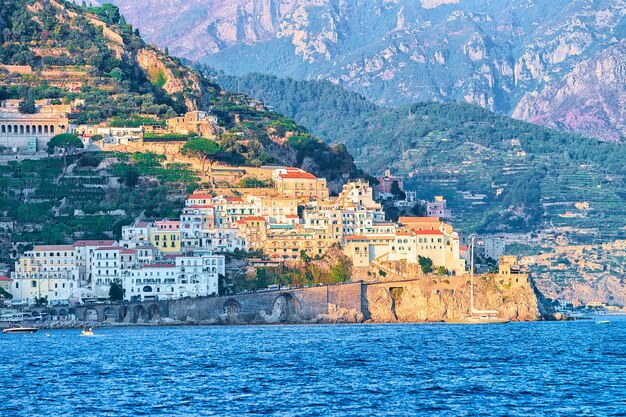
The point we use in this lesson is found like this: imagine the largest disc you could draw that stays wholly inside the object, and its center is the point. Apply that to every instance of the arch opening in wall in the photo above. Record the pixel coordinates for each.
(154, 312)
(139, 314)
(286, 308)
(91, 314)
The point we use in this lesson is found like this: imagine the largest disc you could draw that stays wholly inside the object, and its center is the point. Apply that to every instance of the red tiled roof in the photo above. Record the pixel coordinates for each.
(128, 251)
(463, 247)
(297, 175)
(355, 237)
(200, 196)
(407, 219)
(3, 278)
(292, 216)
(249, 218)
(142, 224)
(81, 243)
(238, 199)
(109, 248)
(53, 247)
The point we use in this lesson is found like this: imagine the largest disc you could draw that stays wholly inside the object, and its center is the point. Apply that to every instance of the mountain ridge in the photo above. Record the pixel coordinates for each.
(499, 55)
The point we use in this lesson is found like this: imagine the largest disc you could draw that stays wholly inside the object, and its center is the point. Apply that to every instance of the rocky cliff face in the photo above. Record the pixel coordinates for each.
(434, 300)
(504, 55)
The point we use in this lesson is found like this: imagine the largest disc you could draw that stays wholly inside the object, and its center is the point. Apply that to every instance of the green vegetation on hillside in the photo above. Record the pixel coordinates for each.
(499, 174)
(51, 207)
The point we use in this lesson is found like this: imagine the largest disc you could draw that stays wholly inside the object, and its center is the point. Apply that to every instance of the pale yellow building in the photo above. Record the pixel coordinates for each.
(294, 182)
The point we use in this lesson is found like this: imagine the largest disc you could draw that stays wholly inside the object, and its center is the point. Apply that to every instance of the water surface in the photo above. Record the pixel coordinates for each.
(555, 369)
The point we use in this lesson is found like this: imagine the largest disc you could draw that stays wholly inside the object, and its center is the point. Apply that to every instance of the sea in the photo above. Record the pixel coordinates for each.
(516, 369)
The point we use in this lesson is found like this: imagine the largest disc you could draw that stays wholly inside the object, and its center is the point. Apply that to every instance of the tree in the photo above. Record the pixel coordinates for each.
(4, 294)
(116, 292)
(66, 143)
(27, 106)
(131, 177)
(426, 264)
(341, 271)
(41, 301)
(202, 149)
(397, 191)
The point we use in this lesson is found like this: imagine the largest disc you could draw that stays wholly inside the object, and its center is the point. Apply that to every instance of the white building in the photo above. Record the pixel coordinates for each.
(188, 276)
(107, 269)
(438, 208)
(494, 246)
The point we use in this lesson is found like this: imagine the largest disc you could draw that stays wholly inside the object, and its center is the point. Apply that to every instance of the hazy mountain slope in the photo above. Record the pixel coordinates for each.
(120, 76)
(529, 175)
(492, 53)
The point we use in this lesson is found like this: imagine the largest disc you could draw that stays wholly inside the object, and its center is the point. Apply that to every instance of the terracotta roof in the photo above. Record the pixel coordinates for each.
(80, 243)
(297, 175)
(260, 218)
(3, 278)
(128, 251)
(110, 248)
(355, 237)
(292, 216)
(53, 247)
(407, 219)
(200, 196)
(238, 199)
(463, 247)
(142, 224)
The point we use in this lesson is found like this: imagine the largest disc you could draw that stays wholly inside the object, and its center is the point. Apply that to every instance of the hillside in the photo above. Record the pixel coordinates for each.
(91, 57)
(530, 176)
(92, 54)
(528, 59)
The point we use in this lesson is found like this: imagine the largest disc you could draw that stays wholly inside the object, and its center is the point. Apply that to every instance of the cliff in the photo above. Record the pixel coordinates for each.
(434, 300)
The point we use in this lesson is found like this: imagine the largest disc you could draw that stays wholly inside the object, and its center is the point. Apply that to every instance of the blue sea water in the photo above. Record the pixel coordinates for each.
(552, 369)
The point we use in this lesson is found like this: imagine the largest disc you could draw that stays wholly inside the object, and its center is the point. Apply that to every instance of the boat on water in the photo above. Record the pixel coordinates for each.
(87, 332)
(602, 322)
(20, 329)
(477, 316)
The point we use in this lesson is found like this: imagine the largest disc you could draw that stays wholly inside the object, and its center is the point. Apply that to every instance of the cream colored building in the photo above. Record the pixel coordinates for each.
(295, 182)
(47, 271)
(31, 131)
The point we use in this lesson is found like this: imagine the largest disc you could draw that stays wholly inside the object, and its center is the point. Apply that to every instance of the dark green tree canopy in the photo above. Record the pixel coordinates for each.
(201, 148)
(64, 142)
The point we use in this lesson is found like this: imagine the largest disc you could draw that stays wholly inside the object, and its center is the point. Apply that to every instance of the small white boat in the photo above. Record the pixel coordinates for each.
(602, 322)
(87, 332)
(20, 329)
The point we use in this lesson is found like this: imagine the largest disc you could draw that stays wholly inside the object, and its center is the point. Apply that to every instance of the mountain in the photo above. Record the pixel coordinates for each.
(92, 54)
(499, 174)
(513, 57)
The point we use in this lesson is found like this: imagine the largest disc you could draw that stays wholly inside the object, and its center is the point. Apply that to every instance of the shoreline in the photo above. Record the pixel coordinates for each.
(78, 325)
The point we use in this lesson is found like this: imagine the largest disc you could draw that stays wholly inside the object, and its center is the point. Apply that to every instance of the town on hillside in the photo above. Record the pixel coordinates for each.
(279, 226)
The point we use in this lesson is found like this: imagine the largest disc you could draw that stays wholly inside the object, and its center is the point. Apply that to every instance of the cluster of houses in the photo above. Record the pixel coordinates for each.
(30, 132)
(184, 257)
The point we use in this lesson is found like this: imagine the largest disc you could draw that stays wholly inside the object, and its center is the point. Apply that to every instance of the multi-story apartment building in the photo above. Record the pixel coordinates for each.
(47, 271)
(166, 235)
(192, 275)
